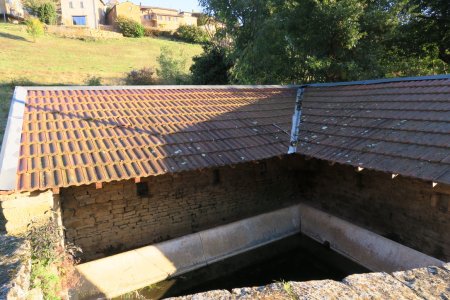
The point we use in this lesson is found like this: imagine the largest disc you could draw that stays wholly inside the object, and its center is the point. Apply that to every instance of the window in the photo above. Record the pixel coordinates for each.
(81, 4)
(79, 20)
(142, 189)
(70, 4)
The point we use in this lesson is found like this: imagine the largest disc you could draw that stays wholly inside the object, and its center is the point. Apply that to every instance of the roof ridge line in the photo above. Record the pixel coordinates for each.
(378, 81)
(149, 87)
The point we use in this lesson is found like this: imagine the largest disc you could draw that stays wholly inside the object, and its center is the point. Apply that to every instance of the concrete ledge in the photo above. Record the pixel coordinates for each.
(119, 274)
(360, 245)
(122, 273)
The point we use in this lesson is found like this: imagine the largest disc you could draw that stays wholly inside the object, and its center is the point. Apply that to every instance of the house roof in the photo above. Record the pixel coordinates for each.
(400, 126)
(64, 136)
(143, 7)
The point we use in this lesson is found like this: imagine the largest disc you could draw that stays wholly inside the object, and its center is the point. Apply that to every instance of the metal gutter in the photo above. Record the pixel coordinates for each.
(296, 120)
(9, 155)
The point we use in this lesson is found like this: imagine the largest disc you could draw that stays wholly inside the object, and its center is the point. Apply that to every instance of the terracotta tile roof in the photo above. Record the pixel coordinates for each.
(82, 136)
(397, 127)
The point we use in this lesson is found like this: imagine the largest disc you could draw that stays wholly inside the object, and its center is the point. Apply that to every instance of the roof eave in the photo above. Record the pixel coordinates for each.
(9, 155)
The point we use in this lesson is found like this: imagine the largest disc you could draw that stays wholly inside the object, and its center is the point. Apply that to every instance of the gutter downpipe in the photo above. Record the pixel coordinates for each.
(296, 120)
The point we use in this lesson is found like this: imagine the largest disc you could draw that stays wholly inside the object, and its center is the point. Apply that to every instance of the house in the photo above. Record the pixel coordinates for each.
(166, 18)
(125, 9)
(12, 9)
(125, 167)
(86, 13)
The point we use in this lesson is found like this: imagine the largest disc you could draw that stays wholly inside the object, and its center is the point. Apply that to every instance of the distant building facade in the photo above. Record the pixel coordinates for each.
(126, 9)
(166, 18)
(87, 13)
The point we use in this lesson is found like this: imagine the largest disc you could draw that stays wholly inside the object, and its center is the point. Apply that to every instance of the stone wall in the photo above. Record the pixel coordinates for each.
(405, 210)
(76, 32)
(15, 267)
(114, 218)
(20, 209)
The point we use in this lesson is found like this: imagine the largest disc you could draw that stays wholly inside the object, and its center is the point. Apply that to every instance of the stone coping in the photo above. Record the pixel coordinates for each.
(422, 283)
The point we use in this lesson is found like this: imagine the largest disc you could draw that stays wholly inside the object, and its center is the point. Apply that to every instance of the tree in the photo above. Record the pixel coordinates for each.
(47, 13)
(212, 66)
(291, 41)
(427, 26)
(45, 10)
(172, 67)
(34, 28)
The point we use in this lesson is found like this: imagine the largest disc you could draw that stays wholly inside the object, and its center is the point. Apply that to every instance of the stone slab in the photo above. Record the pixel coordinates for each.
(379, 286)
(216, 294)
(430, 282)
(322, 289)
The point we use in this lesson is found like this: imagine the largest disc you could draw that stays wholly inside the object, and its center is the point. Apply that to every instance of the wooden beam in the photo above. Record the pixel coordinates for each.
(55, 191)
(137, 180)
(98, 185)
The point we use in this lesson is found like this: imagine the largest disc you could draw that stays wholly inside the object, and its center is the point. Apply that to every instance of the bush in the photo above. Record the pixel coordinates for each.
(191, 34)
(130, 28)
(172, 68)
(142, 76)
(35, 28)
(47, 13)
(93, 81)
(212, 66)
(20, 81)
(151, 32)
(52, 266)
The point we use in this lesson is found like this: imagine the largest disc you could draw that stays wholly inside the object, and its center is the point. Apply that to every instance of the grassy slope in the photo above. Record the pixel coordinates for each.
(58, 61)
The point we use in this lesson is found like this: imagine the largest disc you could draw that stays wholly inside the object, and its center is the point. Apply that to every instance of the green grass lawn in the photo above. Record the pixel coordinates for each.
(60, 61)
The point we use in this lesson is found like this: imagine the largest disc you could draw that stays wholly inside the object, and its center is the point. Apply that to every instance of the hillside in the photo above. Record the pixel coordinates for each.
(59, 61)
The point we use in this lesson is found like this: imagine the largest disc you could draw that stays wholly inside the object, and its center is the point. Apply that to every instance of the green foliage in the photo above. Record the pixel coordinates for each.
(35, 28)
(202, 20)
(427, 24)
(151, 32)
(191, 34)
(278, 41)
(212, 66)
(172, 67)
(44, 240)
(144, 76)
(47, 13)
(93, 80)
(20, 81)
(49, 261)
(130, 28)
(32, 6)
(45, 279)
